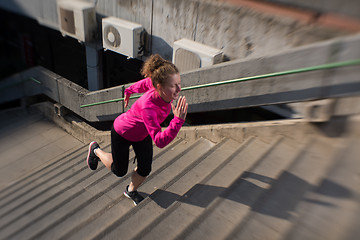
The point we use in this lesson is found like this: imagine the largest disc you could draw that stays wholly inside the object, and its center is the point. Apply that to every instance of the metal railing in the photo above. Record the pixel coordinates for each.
(275, 74)
(19, 82)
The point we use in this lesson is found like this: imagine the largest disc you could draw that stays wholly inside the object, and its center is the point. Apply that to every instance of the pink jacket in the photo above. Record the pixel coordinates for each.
(145, 116)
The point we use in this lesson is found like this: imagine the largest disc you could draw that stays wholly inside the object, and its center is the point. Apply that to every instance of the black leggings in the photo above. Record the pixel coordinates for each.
(120, 153)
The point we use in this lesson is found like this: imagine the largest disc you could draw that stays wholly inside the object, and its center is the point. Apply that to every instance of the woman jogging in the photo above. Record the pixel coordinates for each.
(140, 125)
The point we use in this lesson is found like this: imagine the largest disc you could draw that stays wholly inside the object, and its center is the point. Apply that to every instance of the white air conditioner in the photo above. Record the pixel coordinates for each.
(122, 36)
(77, 19)
(188, 55)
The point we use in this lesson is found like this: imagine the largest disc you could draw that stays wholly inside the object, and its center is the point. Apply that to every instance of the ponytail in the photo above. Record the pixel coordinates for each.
(158, 69)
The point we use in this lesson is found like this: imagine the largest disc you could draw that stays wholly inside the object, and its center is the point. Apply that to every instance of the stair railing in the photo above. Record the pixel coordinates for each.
(274, 74)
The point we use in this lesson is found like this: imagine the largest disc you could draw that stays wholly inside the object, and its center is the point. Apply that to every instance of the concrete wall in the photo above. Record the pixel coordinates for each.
(239, 30)
(305, 86)
(349, 8)
(43, 11)
(329, 83)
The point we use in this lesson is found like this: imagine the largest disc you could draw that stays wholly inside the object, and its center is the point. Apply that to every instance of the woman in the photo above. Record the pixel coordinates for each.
(140, 125)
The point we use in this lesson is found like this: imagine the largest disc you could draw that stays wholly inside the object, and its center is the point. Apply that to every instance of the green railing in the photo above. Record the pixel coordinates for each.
(34, 80)
(275, 74)
(19, 82)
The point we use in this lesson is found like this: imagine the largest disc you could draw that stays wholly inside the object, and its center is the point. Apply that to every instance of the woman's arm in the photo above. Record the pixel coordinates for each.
(161, 139)
(139, 87)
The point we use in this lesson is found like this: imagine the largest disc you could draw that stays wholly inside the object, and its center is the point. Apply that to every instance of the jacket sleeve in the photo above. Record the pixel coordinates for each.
(139, 87)
(161, 138)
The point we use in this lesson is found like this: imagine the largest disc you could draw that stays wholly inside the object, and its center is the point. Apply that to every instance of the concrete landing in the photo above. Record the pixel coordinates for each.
(28, 142)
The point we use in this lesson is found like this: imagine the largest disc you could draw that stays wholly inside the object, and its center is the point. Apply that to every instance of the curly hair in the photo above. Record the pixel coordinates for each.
(158, 69)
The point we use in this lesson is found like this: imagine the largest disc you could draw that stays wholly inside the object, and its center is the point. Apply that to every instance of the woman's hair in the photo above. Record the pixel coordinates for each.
(158, 69)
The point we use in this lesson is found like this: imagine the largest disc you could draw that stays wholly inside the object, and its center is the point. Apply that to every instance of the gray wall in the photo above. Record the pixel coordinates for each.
(329, 83)
(239, 31)
(349, 8)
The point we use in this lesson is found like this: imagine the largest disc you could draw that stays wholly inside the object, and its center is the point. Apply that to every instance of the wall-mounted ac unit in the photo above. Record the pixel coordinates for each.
(188, 55)
(77, 19)
(122, 36)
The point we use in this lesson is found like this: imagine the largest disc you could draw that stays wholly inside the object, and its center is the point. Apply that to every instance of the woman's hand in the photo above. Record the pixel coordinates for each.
(126, 100)
(181, 108)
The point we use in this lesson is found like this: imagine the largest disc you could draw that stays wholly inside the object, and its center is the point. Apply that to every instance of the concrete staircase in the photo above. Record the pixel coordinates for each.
(259, 187)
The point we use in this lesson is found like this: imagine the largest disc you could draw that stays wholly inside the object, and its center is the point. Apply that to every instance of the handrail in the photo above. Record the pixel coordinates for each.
(34, 80)
(19, 82)
(275, 74)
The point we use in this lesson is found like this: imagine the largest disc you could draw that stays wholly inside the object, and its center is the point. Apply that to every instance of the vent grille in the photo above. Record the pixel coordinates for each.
(112, 36)
(186, 60)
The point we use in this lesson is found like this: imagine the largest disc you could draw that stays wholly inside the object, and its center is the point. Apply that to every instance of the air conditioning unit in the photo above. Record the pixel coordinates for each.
(123, 37)
(188, 55)
(77, 19)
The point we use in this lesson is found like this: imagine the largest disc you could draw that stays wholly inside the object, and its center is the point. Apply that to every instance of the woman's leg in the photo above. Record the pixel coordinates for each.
(144, 155)
(120, 154)
(136, 181)
(106, 158)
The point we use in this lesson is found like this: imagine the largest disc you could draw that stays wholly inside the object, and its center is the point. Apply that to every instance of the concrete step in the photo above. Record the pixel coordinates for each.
(28, 193)
(75, 194)
(39, 190)
(164, 171)
(44, 196)
(19, 186)
(104, 193)
(278, 188)
(113, 183)
(273, 215)
(33, 147)
(65, 184)
(331, 209)
(166, 196)
(55, 187)
(234, 205)
(180, 215)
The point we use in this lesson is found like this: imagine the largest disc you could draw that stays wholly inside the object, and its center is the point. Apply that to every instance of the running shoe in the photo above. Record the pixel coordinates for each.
(134, 196)
(92, 160)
